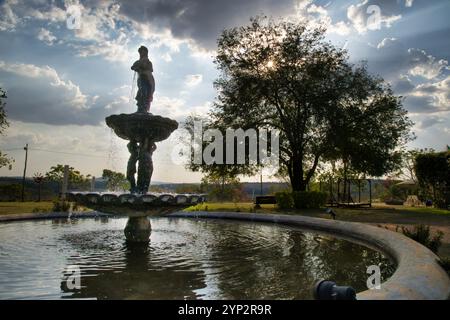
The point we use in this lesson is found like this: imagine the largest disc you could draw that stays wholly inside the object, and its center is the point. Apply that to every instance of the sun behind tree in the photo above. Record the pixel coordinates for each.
(285, 76)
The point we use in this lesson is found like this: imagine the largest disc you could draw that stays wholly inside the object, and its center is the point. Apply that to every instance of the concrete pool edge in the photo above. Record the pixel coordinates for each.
(51, 215)
(418, 275)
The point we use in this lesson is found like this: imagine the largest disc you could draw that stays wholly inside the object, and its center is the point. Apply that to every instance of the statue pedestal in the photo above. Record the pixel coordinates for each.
(138, 229)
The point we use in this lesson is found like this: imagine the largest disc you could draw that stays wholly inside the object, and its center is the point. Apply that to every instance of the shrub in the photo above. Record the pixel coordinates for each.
(445, 264)
(61, 206)
(39, 210)
(309, 199)
(10, 192)
(422, 234)
(284, 200)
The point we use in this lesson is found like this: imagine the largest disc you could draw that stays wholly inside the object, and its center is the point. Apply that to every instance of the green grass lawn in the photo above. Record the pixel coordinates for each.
(231, 207)
(379, 212)
(379, 215)
(25, 207)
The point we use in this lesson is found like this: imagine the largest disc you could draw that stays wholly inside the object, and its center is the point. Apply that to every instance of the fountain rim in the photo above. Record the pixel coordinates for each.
(418, 275)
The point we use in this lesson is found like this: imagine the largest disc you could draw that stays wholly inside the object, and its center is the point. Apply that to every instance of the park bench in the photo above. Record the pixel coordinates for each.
(259, 200)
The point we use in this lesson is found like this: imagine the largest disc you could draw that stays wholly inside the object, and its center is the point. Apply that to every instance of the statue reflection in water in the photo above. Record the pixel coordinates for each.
(140, 278)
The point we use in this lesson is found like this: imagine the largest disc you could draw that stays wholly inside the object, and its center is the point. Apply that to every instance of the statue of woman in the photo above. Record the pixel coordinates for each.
(146, 81)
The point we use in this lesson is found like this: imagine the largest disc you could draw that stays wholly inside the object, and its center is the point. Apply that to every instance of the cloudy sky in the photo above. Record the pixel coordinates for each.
(66, 65)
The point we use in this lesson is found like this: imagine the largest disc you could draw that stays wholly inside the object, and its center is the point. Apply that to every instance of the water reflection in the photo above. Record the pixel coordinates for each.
(140, 278)
(185, 259)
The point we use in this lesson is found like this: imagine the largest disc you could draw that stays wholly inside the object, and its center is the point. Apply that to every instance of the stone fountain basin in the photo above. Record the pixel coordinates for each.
(134, 205)
(134, 126)
(418, 275)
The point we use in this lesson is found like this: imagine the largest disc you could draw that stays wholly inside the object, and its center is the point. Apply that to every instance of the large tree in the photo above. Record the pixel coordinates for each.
(222, 174)
(433, 173)
(116, 180)
(285, 76)
(76, 179)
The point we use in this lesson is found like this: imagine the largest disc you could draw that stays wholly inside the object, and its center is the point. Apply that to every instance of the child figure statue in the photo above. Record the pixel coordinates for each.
(145, 167)
(133, 148)
(145, 82)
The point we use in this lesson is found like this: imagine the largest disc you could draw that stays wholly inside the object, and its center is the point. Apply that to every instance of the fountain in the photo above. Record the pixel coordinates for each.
(143, 130)
(199, 255)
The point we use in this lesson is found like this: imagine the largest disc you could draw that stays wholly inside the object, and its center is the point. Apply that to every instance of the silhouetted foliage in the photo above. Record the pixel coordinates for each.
(10, 192)
(38, 178)
(76, 179)
(422, 234)
(284, 200)
(116, 180)
(285, 76)
(4, 159)
(445, 264)
(214, 171)
(433, 173)
(222, 187)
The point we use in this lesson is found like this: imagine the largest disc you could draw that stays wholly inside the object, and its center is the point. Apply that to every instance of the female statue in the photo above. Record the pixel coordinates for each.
(146, 81)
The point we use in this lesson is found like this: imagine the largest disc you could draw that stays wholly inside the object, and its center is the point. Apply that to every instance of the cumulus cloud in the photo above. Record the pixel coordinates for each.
(193, 80)
(318, 16)
(403, 85)
(413, 73)
(386, 42)
(439, 93)
(37, 94)
(391, 58)
(14, 13)
(428, 122)
(425, 65)
(409, 3)
(102, 30)
(46, 36)
(107, 26)
(429, 98)
(200, 20)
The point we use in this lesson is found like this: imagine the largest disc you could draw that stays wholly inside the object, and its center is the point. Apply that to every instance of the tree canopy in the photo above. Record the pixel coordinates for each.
(285, 76)
(116, 180)
(4, 159)
(56, 174)
(433, 173)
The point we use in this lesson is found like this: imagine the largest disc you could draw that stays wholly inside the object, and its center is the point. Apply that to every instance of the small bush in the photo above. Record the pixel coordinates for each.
(445, 264)
(422, 234)
(39, 210)
(284, 200)
(61, 206)
(309, 199)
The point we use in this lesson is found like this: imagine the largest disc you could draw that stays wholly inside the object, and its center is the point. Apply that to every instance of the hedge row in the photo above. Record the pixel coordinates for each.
(301, 199)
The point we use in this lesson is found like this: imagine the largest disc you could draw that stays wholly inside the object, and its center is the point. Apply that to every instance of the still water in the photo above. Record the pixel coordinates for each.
(185, 259)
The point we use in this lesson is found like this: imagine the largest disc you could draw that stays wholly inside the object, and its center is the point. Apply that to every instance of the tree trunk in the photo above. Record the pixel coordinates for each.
(298, 181)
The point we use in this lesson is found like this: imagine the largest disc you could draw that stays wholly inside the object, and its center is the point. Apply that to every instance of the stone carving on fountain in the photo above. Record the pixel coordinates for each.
(135, 205)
